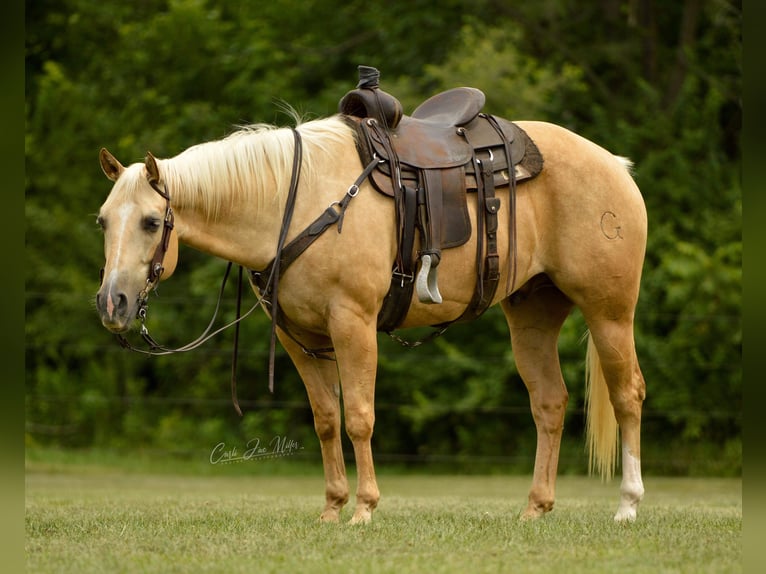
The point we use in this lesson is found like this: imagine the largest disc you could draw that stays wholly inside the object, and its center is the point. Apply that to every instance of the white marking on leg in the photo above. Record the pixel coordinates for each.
(632, 487)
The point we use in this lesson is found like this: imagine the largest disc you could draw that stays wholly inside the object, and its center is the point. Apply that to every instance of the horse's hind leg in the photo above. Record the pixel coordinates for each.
(535, 315)
(614, 342)
(322, 385)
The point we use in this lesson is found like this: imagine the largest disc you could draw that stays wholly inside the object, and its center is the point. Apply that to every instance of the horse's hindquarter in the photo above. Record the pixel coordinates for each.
(582, 221)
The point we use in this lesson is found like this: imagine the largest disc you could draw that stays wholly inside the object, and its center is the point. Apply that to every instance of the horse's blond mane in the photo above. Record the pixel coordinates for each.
(252, 164)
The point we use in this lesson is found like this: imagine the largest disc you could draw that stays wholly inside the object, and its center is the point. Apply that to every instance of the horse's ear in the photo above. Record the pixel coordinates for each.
(152, 171)
(112, 168)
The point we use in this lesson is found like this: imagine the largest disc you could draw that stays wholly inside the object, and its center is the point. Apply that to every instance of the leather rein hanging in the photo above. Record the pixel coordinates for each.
(267, 280)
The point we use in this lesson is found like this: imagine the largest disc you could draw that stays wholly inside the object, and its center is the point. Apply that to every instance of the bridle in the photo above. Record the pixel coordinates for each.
(156, 267)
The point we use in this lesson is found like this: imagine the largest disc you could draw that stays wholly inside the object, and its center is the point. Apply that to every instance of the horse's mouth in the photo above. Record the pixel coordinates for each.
(115, 325)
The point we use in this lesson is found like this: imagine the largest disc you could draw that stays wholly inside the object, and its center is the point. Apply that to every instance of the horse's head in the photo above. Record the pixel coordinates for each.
(139, 252)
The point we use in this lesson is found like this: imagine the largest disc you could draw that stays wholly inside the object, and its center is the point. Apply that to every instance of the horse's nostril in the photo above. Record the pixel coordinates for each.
(101, 299)
(112, 304)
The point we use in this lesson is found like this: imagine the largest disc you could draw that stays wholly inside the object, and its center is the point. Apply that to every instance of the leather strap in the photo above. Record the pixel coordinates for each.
(488, 270)
(432, 221)
(510, 282)
(235, 350)
(286, 219)
(397, 301)
(488, 274)
(267, 283)
(331, 216)
(155, 267)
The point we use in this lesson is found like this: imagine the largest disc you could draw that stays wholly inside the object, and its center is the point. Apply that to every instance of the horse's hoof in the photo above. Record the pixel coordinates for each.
(535, 511)
(625, 514)
(529, 515)
(629, 500)
(361, 516)
(329, 516)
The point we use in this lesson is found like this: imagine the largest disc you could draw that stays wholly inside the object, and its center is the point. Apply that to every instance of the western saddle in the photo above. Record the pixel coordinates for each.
(429, 161)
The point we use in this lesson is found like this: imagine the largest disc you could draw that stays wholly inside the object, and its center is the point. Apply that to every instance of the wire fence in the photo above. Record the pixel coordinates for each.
(656, 456)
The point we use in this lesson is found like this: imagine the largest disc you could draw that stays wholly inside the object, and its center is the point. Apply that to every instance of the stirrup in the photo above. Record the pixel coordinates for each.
(426, 282)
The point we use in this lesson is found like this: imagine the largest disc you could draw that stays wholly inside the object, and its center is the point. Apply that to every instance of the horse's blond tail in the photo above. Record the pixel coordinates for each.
(601, 431)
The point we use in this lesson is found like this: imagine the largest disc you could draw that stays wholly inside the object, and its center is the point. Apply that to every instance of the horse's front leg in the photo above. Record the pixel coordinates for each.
(320, 377)
(355, 339)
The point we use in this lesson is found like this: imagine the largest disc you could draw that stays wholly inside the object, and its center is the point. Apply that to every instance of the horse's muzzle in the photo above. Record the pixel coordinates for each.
(114, 309)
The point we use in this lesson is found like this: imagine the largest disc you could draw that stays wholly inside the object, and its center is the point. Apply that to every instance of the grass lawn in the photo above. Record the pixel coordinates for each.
(90, 518)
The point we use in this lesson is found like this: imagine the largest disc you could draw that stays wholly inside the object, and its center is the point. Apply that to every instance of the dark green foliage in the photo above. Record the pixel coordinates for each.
(656, 82)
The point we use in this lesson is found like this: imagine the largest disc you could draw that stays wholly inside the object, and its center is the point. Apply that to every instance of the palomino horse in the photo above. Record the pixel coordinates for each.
(581, 236)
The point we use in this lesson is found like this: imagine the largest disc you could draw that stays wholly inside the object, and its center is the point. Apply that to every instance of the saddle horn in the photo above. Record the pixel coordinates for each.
(369, 101)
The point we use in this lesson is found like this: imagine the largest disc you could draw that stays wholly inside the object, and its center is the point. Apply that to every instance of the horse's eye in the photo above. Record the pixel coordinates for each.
(101, 222)
(152, 224)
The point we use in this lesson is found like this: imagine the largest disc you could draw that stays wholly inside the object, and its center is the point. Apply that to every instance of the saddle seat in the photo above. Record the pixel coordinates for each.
(456, 107)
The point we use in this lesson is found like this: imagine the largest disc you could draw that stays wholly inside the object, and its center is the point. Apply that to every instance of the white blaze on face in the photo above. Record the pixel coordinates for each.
(123, 217)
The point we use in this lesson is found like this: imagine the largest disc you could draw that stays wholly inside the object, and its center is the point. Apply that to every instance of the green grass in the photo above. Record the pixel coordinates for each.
(90, 518)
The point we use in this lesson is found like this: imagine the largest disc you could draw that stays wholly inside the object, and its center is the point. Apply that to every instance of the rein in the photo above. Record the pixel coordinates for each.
(156, 349)
(274, 276)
